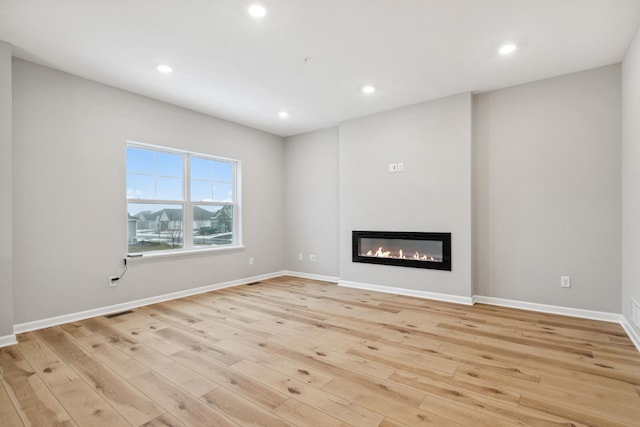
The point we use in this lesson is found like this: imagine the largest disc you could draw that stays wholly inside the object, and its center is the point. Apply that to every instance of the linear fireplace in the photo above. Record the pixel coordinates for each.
(405, 249)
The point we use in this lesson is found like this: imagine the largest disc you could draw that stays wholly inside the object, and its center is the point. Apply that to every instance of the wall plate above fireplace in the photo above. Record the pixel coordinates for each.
(403, 249)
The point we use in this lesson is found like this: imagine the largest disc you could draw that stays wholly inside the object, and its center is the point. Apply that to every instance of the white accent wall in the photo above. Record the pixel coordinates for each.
(70, 229)
(631, 179)
(547, 191)
(6, 195)
(432, 194)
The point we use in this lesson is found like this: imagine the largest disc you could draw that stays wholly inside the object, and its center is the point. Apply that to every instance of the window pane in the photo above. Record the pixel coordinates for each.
(212, 225)
(169, 164)
(222, 192)
(140, 186)
(168, 188)
(222, 172)
(201, 168)
(140, 161)
(201, 191)
(154, 227)
(211, 180)
(154, 175)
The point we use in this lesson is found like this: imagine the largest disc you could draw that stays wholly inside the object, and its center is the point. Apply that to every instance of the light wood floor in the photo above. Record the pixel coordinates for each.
(289, 351)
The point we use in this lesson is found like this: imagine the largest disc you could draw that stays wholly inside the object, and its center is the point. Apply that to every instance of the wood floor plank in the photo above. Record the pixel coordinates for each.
(460, 401)
(587, 407)
(116, 359)
(47, 364)
(238, 383)
(566, 383)
(580, 416)
(388, 422)
(8, 413)
(583, 379)
(144, 334)
(164, 420)
(331, 362)
(295, 370)
(301, 414)
(299, 352)
(471, 413)
(241, 410)
(129, 402)
(85, 405)
(482, 377)
(377, 402)
(194, 343)
(339, 408)
(180, 404)
(178, 373)
(390, 355)
(33, 401)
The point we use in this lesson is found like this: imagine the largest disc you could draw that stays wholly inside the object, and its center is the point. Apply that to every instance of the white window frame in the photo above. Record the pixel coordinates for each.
(187, 213)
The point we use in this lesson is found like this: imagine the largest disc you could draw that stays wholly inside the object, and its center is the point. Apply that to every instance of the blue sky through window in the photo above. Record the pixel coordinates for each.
(153, 175)
(211, 180)
(157, 175)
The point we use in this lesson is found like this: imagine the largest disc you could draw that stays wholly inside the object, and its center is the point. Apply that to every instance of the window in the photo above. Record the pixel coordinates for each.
(178, 200)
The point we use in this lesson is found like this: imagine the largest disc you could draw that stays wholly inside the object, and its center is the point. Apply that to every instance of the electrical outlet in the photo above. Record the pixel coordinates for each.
(400, 167)
(565, 281)
(300, 257)
(113, 281)
(250, 260)
(312, 258)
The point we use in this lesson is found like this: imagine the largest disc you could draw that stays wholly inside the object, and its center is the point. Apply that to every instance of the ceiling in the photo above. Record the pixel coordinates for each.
(233, 66)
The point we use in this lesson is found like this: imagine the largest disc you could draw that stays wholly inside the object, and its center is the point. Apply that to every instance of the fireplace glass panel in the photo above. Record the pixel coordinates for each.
(419, 250)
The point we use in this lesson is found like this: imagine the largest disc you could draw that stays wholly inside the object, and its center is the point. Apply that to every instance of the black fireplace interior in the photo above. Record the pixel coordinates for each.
(405, 249)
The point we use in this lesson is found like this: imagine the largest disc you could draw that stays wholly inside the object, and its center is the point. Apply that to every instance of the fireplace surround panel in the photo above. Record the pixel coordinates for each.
(403, 249)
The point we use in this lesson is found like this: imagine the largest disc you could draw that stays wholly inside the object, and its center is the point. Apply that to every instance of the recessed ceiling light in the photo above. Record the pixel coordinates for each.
(164, 68)
(368, 89)
(507, 49)
(283, 114)
(257, 11)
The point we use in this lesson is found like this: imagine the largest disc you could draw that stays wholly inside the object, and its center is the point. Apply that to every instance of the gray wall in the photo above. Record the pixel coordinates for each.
(311, 202)
(69, 194)
(547, 190)
(433, 194)
(631, 178)
(544, 158)
(6, 194)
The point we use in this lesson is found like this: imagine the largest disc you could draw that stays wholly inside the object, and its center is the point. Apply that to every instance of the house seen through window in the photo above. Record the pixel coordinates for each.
(178, 200)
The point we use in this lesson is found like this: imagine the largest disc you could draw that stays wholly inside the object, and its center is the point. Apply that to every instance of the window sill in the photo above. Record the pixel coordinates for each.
(139, 256)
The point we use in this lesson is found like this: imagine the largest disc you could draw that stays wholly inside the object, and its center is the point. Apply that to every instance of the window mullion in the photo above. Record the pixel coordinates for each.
(237, 235)
(188, 209)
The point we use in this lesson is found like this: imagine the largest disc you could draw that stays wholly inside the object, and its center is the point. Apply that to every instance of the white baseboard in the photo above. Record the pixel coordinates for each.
(408, 292)
(73, 317)
(633, 335)
(319, 277)
(8, 340)
(551, 309)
